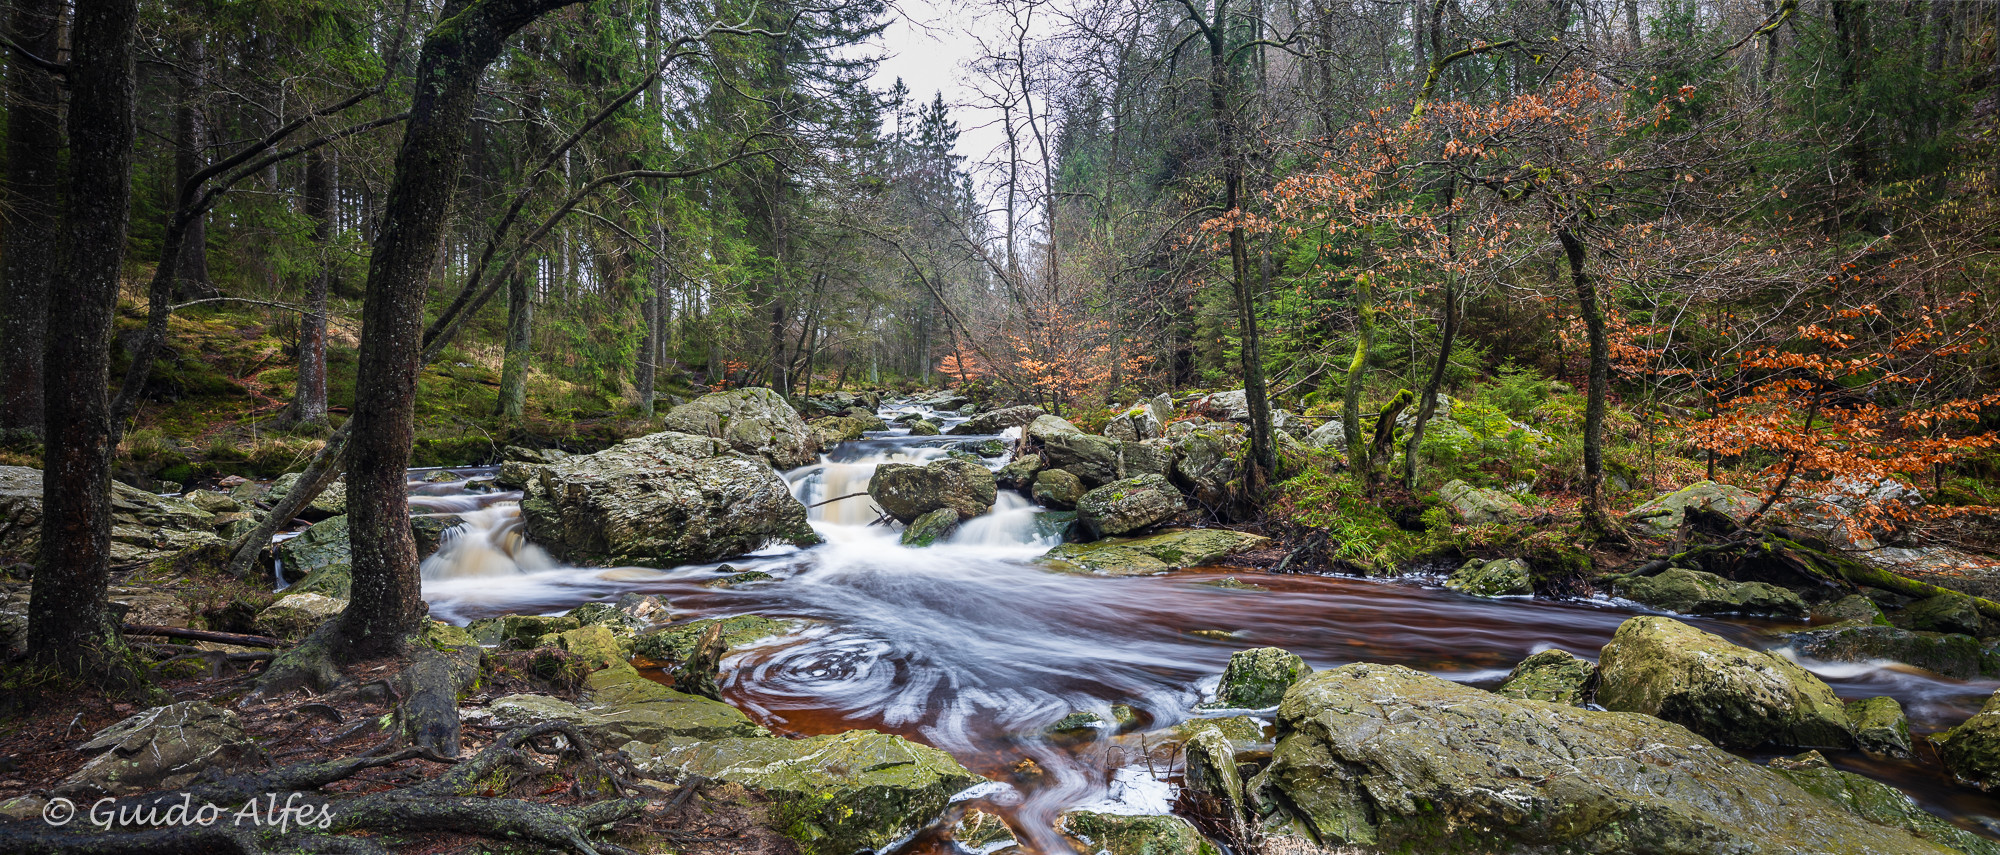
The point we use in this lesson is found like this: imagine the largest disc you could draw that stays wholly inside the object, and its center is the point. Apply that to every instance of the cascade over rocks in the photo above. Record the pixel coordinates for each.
(662, 500)
(1738, 697)
(998, 420)
(907, 491)
(1386, 757)
(755, 421)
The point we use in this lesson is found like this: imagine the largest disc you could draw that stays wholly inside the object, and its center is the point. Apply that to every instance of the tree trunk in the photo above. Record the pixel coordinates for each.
(29, 255)
(309, 393)
(387, 605)
(190, 156)
(1599, 387)
(519, 347)
(1350, 404)
(1447, 336)
(1263, 452)
(69, 622)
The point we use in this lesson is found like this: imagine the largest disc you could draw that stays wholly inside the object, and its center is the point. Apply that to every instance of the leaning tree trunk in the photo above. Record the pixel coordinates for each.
(29, 252)
(1427, 405)
(70, 626)
(1599, 387)
(309, 392)
(387, 604)
(519, 347)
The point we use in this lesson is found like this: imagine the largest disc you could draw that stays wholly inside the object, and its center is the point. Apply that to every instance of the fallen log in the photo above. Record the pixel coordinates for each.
(237, 639)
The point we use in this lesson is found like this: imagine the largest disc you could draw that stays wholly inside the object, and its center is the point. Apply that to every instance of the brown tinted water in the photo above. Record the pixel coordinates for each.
(974, 649)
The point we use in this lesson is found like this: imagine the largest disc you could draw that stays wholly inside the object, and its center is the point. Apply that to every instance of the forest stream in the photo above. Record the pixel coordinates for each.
(971, 647)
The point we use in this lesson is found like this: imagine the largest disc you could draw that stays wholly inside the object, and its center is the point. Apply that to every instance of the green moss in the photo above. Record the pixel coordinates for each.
(676, 643)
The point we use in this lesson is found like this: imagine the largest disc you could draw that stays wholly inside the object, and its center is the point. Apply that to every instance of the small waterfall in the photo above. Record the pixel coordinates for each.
(1010, 523)
(489, 543)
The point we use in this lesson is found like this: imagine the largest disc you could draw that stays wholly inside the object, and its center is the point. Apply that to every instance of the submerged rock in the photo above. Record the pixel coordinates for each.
(1154, 553)
(162, 748)
(1555, 676)
(661, 500)
(1118, 834)
(908, 491)
(1949, 654)
(1122, 507)
(833, 795)
(1397, 760)
(1480, 506)
(676, 643)
(1505, 577)
(931, 528)
(753, 421)
(1693, 592)
(1738, 697)
(1727, 507)
(1257, 678)
(998, 420)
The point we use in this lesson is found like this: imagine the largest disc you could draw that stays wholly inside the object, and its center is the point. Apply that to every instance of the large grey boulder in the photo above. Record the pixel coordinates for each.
(1044, 427)
(1140, 421)
(1057, 488)
(1208, 461)
(857, 791)
(754, 421)
(1693, 592)
(1482, 505)
(661, 500)
(1738, 697)
(144, 527)
(1395, 760)
(1092, 459)
(1122, 507)
(907, 491)
(162, 748)
(1724, 506)
(998, 420)
(1231, 406)
(1332, 435)
(330, 502)
(1877, 802)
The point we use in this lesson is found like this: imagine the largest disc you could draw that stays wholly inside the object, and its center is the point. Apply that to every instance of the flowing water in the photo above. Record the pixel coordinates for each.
(971, 647)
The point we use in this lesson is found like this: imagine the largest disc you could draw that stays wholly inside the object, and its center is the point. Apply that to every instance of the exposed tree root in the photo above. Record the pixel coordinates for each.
(450, 803)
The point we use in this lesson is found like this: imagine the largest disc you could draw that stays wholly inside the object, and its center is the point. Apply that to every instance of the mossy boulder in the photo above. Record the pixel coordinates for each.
(1120, 834)
(317, 561)
(908, 491)
(1693, 592)
(930, 528)
(519, 632)
(1057, 488)
(1504, 577)
(1880, 727)
(1950, 611)
(924, 427)
(839, 429)
(735, 579)
(1396, 760)
(331, 502)
(979, 832)
(1481, 505)
(295, 615)
(1257, 678)
(1150, 554)
(1971, 751)
(999, 420)
(1044, 427)
(1094, 460)
(1740, 698)
(1853, 608)
(213, 502)
(1949, 654)
(661, 500)
(1725, 506)
(753, 421)
(646, 712)
(1555, 676)
(1878, 803)
(1209, 771)
(1209, 462)
(1123, 507)
(676, 643)
(833, 795)
(162, 748)
(1019, 473)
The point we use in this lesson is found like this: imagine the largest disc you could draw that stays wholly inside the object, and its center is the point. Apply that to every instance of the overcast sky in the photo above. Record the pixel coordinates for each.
(928, 45)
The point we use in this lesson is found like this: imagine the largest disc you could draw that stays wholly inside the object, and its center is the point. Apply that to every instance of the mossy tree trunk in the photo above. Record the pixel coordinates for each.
(1599, 386)
(387, 604)
(70, 626)
(28, 252)
(1350, 400)
(309, 392)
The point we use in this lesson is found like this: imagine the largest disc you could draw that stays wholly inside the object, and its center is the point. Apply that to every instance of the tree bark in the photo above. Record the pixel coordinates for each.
(190, 156)
(1427, 405)
(309, 392)
(1599, 387)
(519, 345)
(1350, 402)
(69, 622)
(29, 254)
(387, 605)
